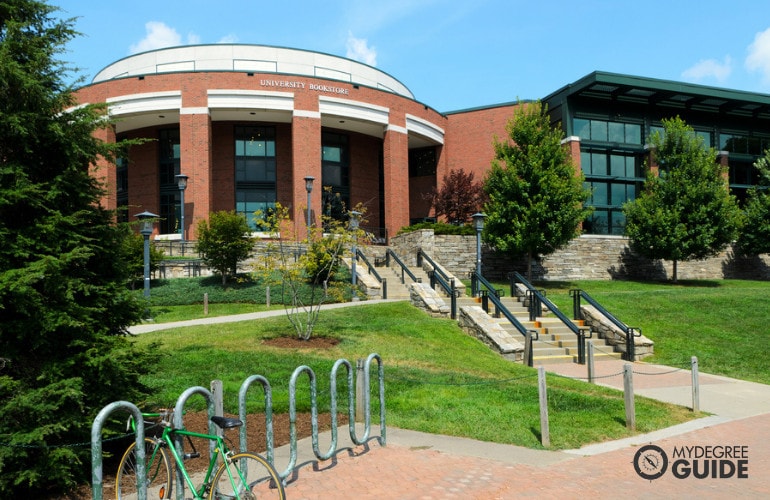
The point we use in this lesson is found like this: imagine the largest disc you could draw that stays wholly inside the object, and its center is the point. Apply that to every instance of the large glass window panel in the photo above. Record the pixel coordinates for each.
(599, 196)
(633, 133)
(617, 222)
(598, 130)
(582, 128)
(598, 164)
(617, 132)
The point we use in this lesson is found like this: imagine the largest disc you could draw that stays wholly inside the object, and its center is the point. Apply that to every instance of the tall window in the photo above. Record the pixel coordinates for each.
(169, 164)
(335, 166)
(255, 172)
(613, 179)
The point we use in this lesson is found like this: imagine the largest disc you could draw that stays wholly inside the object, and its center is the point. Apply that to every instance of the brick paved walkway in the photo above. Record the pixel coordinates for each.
(398, 472)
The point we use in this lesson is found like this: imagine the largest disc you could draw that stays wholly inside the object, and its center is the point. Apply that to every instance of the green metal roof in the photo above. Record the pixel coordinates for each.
(635, 89)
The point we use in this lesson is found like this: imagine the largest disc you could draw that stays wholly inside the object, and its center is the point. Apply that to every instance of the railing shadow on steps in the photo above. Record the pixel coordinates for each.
(631, 332)
(538, 298)
(372, 271)
(438, 276)
(490, 293)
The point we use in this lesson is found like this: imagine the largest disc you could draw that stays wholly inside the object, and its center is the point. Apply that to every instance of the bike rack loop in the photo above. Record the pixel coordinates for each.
(351, 419)
(96, 449)
(242, 414)
(178, 423)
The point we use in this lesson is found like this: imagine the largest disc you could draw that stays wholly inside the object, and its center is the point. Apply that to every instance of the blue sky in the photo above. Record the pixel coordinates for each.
(456, 54)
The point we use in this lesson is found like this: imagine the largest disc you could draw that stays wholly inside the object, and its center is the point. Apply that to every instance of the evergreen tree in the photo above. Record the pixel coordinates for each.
(535, 198)
(686, 211)
(64, 306)
(755, 236)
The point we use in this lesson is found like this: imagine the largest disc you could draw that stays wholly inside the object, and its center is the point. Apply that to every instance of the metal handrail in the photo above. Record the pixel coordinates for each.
(371, 270)
(538, 297)
(404, 269)
(437, 275)
(630, 331)
(500, 307)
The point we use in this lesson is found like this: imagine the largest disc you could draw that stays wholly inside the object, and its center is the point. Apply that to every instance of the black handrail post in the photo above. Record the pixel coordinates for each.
(581, 348)
(630, 344)
(512, 280)
(453, 300)
(485, 301)
(576, 314)
(384, 288)
(432, 277)
(474, 284)
(419, 257)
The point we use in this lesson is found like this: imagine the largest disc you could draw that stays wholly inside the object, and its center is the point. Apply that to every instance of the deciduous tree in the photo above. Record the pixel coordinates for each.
(755, 236)
(460, 197)
(225, 241)
(685, 212)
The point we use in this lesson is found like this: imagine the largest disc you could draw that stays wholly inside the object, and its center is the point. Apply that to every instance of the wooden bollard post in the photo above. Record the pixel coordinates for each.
(695, 384)
(628, 392)
(205, 304)
(545, 434)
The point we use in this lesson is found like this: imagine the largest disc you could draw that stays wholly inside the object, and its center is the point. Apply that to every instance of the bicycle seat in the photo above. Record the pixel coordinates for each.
(226, 422)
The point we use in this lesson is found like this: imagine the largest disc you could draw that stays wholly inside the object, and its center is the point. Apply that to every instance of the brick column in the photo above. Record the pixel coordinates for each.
(196, 162)
(306, 161)
(396, 178)
(106, 173)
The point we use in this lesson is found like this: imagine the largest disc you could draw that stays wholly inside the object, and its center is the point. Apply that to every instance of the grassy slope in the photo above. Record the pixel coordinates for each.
(438, 379)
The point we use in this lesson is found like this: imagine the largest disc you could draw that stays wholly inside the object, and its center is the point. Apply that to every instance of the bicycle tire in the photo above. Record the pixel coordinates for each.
(158, 472)
(262, 478)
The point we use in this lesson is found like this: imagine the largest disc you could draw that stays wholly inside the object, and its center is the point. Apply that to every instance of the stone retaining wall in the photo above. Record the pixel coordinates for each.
(614, 336)
(588, 257)
(477, 323)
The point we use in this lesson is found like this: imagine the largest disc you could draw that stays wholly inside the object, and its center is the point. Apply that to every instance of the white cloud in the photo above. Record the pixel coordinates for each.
(160, 35)
(709, 69)
(360, 51)
(228, 39)
(759, 55)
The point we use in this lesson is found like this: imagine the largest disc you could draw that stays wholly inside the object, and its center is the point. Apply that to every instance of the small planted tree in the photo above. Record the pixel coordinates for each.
(460, 197)
(536, 198)
(755, 237)
(224, 242)
(305, 271)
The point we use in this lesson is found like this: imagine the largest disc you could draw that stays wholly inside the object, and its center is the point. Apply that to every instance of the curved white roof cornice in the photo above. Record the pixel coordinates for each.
(252, 59)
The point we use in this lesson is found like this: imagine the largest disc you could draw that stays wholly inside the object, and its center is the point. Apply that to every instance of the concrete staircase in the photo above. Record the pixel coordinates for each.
(556, 342)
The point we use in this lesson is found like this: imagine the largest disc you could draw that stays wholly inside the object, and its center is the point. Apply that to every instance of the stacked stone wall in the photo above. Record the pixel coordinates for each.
(585, 258)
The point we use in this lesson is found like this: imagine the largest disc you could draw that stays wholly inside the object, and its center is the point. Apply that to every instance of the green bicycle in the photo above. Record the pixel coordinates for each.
(246, 476)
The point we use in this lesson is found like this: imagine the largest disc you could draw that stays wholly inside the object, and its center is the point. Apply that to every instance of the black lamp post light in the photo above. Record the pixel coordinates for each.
(478, 223)
(355, 219)
(147, 221)
(181, 181)
(309, 188)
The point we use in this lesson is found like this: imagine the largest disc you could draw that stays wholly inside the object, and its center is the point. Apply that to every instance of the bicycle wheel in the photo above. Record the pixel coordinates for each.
(158, 468)
(247, 476)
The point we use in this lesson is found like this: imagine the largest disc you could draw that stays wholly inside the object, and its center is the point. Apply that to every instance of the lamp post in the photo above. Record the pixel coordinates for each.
(309, 188)
(478, 223)
(355, 218)
(181, 181)
(147, 220)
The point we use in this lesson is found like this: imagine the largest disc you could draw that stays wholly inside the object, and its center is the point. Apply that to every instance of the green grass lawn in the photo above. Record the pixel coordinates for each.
(440, 380)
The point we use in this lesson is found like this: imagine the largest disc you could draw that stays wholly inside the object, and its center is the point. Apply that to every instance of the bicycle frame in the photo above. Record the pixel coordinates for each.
(167, 437)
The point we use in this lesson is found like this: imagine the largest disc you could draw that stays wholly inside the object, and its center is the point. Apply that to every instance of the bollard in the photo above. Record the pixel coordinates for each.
(267, 296)
(695, 384)
(217, 391)
(628, 392)
(590, 362)
(205, 304)
(545, 435)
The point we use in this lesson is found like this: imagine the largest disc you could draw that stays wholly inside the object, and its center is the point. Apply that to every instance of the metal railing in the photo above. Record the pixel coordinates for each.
(390, 254)
(630, 332)
(373, 271)
(538, 298)
(438, 276)
(500, 308)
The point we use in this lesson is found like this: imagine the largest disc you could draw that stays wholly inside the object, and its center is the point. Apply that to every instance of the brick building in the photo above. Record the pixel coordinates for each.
(248, 123)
